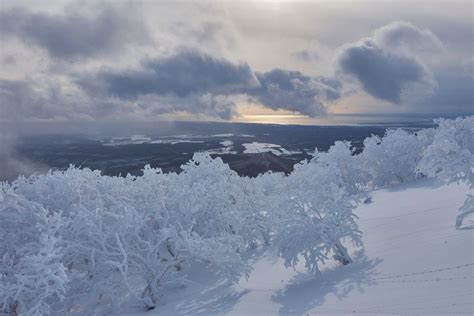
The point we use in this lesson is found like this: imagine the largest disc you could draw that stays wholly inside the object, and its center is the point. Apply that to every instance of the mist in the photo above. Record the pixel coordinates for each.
(13, 163)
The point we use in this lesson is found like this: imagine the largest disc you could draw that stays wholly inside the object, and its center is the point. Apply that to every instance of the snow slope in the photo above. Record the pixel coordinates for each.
(414, 263)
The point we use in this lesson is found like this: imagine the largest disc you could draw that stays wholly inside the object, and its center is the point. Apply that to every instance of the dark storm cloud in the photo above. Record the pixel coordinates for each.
(189, 74)
(387, 63)
(72, 35)
(382, 74)
(291, 90)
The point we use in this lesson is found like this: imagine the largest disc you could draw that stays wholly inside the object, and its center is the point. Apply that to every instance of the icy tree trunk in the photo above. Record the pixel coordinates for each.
(149, 297)
(460, 217)
(342, 255)
(466, 209)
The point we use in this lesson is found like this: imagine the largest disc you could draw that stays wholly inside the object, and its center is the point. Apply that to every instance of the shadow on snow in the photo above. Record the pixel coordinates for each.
(306, 292)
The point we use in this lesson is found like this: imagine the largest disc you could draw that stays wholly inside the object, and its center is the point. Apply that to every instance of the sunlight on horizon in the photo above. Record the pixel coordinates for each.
(330, 119)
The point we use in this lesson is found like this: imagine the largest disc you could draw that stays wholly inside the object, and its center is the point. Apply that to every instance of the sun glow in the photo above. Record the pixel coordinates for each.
(275, 6)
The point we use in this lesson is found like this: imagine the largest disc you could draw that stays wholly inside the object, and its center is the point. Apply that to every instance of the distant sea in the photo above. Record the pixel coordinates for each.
(341, 119)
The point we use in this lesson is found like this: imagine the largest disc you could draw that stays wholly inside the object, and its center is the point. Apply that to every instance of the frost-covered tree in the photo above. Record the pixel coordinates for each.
(218, 200)
(348, 167)
(123, 251)
(450, 157)
(392, 159)
(136, 236)
(315, 216)
(32, 276)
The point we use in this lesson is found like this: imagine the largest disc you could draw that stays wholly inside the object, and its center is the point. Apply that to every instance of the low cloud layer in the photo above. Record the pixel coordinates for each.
(189, 81)
(20, 99)
(192, 75)
(12, 163)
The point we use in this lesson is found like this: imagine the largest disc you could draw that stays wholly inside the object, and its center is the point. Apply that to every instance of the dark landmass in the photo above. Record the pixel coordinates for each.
(168, 148)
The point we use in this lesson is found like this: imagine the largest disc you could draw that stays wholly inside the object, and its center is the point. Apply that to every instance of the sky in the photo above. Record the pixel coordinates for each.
(91, 61)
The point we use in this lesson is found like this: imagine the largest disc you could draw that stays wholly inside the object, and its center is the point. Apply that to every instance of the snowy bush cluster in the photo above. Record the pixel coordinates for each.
(92, 241)
(77, 242)
(450, 156)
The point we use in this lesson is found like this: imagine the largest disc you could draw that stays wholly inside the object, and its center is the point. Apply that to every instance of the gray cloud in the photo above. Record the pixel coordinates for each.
(399, 62)
(191, 75)
(51, 98)
(306, 55)
(386, 64)
(207, 105)
(291, 90)
(406, 38)
(187, 72)
(382, 74)
(19, 100)
(188, 81)
(455, 93)
(36, 100)
(72, 35)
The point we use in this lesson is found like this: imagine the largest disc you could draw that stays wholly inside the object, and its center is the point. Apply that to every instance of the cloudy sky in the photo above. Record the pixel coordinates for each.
(228, 60)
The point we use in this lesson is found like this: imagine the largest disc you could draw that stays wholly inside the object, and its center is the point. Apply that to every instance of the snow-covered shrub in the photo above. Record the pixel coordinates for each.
(393, 158)
(348, 167)
(218, 200)
(120, 250)
(134, 236)
(32, 276)
(314, 216)
(450, 156)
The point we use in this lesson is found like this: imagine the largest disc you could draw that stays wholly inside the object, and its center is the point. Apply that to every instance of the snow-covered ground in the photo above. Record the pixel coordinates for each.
(227, 149)
(256, 147)
(415, 263)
